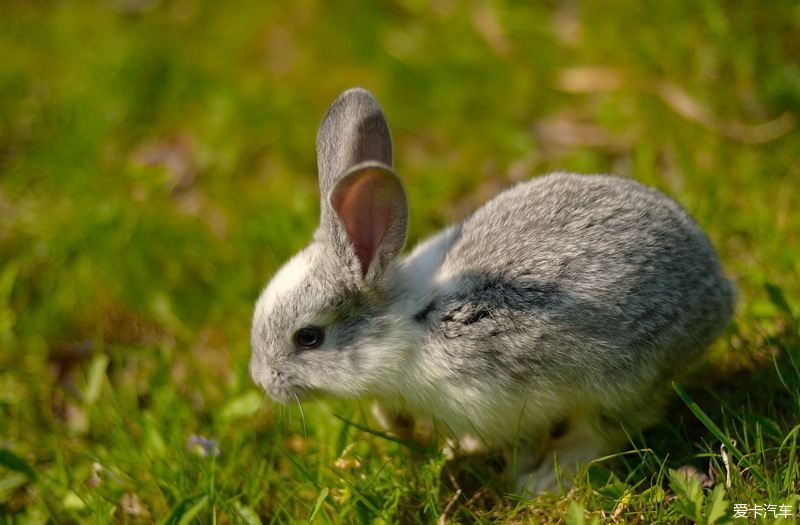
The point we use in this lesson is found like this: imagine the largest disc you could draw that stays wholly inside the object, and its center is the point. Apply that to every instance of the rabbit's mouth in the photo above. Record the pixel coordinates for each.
(275, 383)
(282, 389)
(281, 385)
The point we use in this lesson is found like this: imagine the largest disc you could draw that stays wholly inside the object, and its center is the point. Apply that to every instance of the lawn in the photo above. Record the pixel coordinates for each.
(157, 166)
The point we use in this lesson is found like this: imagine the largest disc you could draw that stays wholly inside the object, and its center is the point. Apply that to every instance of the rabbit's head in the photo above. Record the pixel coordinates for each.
(322, 326)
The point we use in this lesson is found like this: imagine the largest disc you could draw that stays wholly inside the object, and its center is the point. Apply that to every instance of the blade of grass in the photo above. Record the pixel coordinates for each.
(713, 428)
(13, 462)
(416, 447)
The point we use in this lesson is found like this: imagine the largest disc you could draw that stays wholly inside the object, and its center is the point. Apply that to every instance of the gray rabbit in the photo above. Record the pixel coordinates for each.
(542, 325)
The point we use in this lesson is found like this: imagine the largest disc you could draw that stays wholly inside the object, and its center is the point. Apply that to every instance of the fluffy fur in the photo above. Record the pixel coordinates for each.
(555, 312)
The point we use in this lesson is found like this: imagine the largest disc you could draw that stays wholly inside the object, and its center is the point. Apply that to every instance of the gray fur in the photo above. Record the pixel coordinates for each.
(353, 130)
(565, 298)
(589, 261)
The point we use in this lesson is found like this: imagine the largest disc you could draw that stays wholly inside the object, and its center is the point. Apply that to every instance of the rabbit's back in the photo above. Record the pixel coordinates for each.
(578, 279)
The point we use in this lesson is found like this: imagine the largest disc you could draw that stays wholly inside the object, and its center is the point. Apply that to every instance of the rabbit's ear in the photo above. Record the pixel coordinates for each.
(353, 131)
(371, 203)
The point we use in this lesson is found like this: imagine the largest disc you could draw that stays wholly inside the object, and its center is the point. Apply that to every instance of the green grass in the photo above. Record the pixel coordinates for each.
(157, 165)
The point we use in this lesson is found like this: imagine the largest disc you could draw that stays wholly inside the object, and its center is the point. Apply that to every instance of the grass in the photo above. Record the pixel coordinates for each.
(157, 165)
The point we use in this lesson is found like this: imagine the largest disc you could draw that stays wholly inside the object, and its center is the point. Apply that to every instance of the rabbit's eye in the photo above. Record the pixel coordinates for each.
(309, 337)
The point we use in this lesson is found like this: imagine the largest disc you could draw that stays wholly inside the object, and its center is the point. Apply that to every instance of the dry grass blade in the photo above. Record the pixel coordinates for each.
(603, 79)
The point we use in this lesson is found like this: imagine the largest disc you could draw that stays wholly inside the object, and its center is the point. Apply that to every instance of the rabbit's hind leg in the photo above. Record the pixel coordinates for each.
(572, 443)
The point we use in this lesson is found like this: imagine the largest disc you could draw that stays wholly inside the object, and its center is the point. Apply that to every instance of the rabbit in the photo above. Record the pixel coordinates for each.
(546, 326)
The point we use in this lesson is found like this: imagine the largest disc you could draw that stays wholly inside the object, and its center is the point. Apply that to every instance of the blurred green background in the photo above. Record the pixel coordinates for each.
(157, 165)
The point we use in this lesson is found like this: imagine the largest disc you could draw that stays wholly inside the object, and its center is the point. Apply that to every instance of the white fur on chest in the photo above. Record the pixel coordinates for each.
(428, 387)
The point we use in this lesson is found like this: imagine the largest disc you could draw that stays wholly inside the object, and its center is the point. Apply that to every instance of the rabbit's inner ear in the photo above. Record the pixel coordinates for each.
(371, 203)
